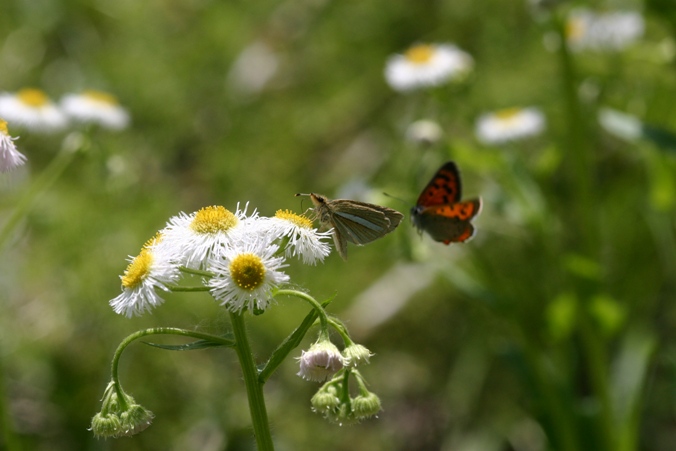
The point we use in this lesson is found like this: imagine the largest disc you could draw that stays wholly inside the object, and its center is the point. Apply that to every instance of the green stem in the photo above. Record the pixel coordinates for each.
(254, 388)
(579, 151)
(323, 319)
(290, 343)
(342, 331)
(47, 178)
(158, 331)
(194, 289)
(196, 272)
(361, 383)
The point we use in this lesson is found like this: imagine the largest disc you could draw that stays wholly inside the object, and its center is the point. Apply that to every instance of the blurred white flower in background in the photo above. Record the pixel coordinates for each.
(603, 32)
(253, 69)
(509, 124)
(31, 109)
(424, 132)
(95, 107)
(426, 65)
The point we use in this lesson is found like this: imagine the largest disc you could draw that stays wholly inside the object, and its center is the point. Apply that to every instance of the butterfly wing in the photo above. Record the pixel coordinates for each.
(393, 215)
(354, 221)
(448, 223)
(444, 188)
(361, 222)
(340, 242)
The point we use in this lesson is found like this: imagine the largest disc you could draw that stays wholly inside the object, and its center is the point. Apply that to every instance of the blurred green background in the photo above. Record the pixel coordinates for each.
(552, 329)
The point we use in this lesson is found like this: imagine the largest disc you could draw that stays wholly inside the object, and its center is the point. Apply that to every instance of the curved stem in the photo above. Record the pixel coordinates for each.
(323, 319)
(158, 331)
(342, 331)
(254, 388)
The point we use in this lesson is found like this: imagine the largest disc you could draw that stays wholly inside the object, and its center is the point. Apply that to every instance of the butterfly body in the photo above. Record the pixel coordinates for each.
(353, 221)
(439, 211)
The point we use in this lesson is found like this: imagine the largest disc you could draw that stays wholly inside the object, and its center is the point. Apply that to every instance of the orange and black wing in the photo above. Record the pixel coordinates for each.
(443, 189)
(448, 223)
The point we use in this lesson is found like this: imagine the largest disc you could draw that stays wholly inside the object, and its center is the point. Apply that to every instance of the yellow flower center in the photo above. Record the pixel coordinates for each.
(247, 271)
(507, 114)
(99, 96)
(153, 241)
(33, 97)
(138, 269)
(3, 127)
(298, 220)
(209, 220)
(420, 54)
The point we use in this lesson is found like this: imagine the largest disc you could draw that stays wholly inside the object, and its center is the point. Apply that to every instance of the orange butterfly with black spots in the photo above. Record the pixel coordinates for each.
(439, 211)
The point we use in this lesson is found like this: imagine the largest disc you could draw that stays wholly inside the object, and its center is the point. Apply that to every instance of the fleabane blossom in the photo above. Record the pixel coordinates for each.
(426, 65)
(207, 233)
(96, 107)
(10, 157)
(603, 32)
(151, 269)
(304, 240)
(321, 361)
(509, 124)
(245, 275)
(32, 109)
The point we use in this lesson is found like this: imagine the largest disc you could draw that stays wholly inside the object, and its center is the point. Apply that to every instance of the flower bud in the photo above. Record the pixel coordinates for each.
(120, 415)
(356, 354)
(321, 361)
(365, 406)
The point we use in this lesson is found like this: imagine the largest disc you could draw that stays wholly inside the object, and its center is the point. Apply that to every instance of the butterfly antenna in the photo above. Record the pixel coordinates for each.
(301, 201)
(396, 198)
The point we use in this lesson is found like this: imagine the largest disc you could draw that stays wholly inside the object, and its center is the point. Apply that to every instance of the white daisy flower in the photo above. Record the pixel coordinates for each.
(603, 32)
(509, 124)
(426, 65)
(321, 361)
(245, 275)
(96, 107)
(207, 233)
(304, 240)
(10, 157)
(32, 109)
(152, 268)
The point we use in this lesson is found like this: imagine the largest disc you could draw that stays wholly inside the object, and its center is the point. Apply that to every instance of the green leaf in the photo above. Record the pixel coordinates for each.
(195, 345)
